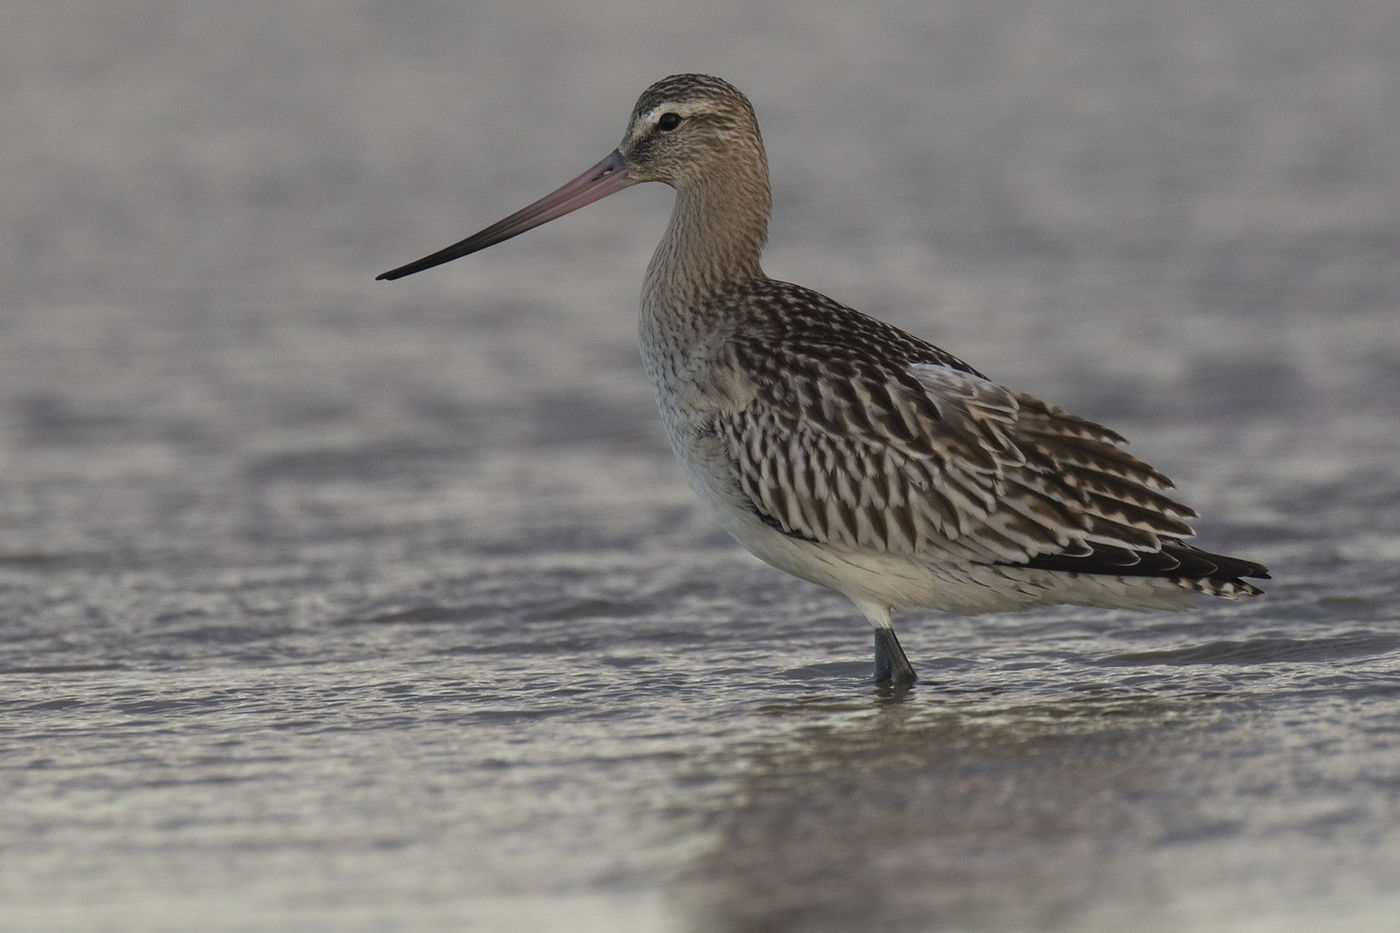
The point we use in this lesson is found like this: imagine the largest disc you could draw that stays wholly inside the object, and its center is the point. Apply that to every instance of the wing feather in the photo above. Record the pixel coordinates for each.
(929, 458)
(845, 430)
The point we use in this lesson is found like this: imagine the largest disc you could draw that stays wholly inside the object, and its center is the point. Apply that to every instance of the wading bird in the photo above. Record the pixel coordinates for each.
(844, 451)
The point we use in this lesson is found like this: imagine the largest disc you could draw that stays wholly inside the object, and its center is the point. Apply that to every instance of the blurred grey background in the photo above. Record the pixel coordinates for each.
(334, 604)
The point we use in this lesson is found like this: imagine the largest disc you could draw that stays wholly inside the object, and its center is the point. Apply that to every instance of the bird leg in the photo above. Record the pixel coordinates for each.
(891, 664)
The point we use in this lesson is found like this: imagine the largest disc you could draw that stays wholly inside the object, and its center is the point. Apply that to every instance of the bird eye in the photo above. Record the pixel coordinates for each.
(668, 121)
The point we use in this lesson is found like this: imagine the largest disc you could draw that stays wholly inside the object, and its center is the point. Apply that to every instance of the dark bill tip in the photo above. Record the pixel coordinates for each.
(603, 179)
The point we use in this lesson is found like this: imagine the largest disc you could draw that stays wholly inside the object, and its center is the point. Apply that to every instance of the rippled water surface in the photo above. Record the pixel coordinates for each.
(335, 605)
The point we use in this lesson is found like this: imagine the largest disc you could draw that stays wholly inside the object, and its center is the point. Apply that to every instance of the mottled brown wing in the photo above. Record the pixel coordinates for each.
(932, 459)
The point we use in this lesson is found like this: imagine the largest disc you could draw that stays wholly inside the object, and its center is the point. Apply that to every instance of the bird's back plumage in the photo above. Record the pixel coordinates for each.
(856, 436)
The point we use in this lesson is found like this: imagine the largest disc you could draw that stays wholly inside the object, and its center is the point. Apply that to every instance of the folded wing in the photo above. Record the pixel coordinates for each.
(933, 459)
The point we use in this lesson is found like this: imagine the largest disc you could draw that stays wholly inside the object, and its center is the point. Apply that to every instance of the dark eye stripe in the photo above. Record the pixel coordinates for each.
(668, 121)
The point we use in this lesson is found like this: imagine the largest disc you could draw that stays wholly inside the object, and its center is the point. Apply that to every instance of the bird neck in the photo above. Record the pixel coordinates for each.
(716, 234)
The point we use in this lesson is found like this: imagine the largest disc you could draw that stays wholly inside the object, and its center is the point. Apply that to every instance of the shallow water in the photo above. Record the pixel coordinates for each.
(330, 604)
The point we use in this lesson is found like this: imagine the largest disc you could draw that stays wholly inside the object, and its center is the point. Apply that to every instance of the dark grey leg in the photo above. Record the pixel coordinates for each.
(891, 664)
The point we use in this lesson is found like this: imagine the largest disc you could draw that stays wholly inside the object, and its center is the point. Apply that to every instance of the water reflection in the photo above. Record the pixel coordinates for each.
(928, 816)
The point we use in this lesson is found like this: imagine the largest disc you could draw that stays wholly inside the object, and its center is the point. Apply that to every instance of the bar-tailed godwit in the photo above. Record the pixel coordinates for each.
(844, 451)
